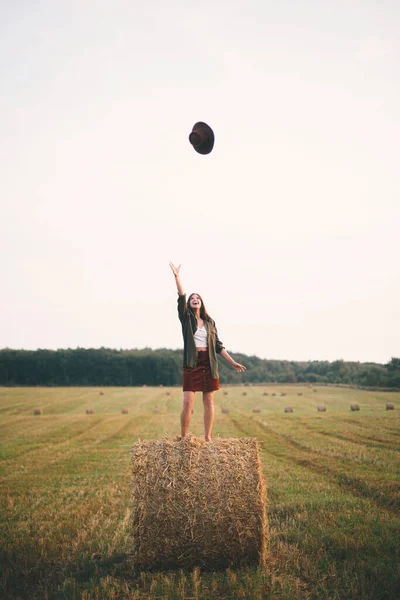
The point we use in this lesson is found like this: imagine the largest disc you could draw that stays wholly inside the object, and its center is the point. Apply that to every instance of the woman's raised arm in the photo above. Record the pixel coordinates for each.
(175, 271)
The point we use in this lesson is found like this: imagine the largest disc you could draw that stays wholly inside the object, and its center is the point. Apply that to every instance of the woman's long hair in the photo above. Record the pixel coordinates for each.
(203, 311)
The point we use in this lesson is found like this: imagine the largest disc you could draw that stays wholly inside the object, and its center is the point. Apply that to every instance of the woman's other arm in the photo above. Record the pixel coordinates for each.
(239, 368)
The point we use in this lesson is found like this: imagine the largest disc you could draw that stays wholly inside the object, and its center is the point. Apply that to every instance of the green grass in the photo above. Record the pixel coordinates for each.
(333, 487)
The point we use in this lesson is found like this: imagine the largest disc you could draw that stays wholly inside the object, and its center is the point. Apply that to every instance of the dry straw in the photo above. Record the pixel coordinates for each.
(37, 411)
(354, 407)
(198, 504)
(389, 406)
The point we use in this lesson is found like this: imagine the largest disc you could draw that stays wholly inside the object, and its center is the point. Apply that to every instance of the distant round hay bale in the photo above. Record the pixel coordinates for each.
(37, 411)
(244, 394)
(225, 393)
(124, 411)
(265, 394)
(198, 504)
(167, 393)
(256, 410)
(354, 407)
(101, 393)
(273, 394)
(225, 411)
(321, 408)
(389, 405)
(283, 394)
(315, 390)
(89, 411)
(299, 393)
(288, 409)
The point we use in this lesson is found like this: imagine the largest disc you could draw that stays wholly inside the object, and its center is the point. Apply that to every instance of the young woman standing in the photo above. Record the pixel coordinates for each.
(200, 348)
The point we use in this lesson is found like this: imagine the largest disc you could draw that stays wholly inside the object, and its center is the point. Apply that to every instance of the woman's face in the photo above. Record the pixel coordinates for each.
(195, 302)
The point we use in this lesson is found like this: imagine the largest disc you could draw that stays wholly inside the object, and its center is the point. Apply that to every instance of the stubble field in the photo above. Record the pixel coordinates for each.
(333, 487)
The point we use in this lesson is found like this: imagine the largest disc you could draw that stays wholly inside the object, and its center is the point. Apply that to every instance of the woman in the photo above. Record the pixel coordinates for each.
(200, 364)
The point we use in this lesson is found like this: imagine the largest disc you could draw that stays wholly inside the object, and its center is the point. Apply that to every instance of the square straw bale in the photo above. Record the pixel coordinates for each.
(197, 503)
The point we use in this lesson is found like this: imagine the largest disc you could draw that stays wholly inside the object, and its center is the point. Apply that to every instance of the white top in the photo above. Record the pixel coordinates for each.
(200, 338)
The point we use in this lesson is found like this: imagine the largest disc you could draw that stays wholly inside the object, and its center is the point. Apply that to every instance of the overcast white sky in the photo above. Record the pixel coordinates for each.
(290, 228)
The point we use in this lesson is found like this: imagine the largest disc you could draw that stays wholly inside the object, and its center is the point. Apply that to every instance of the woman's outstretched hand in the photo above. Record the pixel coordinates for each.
(174, 269)
(239, 368)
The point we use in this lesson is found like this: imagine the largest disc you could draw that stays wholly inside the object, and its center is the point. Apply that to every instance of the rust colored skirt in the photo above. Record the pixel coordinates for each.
(199, 379)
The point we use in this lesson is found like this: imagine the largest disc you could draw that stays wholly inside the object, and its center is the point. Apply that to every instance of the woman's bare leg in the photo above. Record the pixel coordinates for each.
(186, 414)
(208, 402)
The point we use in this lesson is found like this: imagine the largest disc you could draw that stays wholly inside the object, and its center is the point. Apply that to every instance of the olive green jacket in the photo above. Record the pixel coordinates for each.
(189, 327)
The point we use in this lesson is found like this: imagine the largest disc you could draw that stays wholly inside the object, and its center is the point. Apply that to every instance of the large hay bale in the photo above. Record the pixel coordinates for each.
(256, 410)
(288, 409)
(37, 411)
(89, 411)
(389, 405)
(321, 408)
(225, 411)
(265, 394)
(197, 503)
(299, 393)
(283, 394)
(124, 411)
(273, 394)
(354, 407)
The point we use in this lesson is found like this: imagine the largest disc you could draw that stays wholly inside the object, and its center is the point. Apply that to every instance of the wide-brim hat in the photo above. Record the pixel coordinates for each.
(202, 138)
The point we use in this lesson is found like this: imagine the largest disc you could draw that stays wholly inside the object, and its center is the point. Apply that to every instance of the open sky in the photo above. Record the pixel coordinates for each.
(289, 229)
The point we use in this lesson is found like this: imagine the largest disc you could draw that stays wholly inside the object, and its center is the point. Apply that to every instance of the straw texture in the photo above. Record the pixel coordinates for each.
(198, 504)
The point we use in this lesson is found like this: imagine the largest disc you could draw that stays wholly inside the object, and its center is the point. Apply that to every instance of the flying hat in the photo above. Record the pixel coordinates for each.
(202, 138)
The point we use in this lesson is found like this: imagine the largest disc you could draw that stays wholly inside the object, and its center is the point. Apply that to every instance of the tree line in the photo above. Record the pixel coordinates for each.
(111, 367)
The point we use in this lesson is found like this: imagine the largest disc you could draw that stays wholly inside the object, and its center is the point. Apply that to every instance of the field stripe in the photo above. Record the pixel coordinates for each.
(386, 496)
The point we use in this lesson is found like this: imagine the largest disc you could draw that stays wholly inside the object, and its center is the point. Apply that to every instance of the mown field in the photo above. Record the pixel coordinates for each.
(333, 486)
